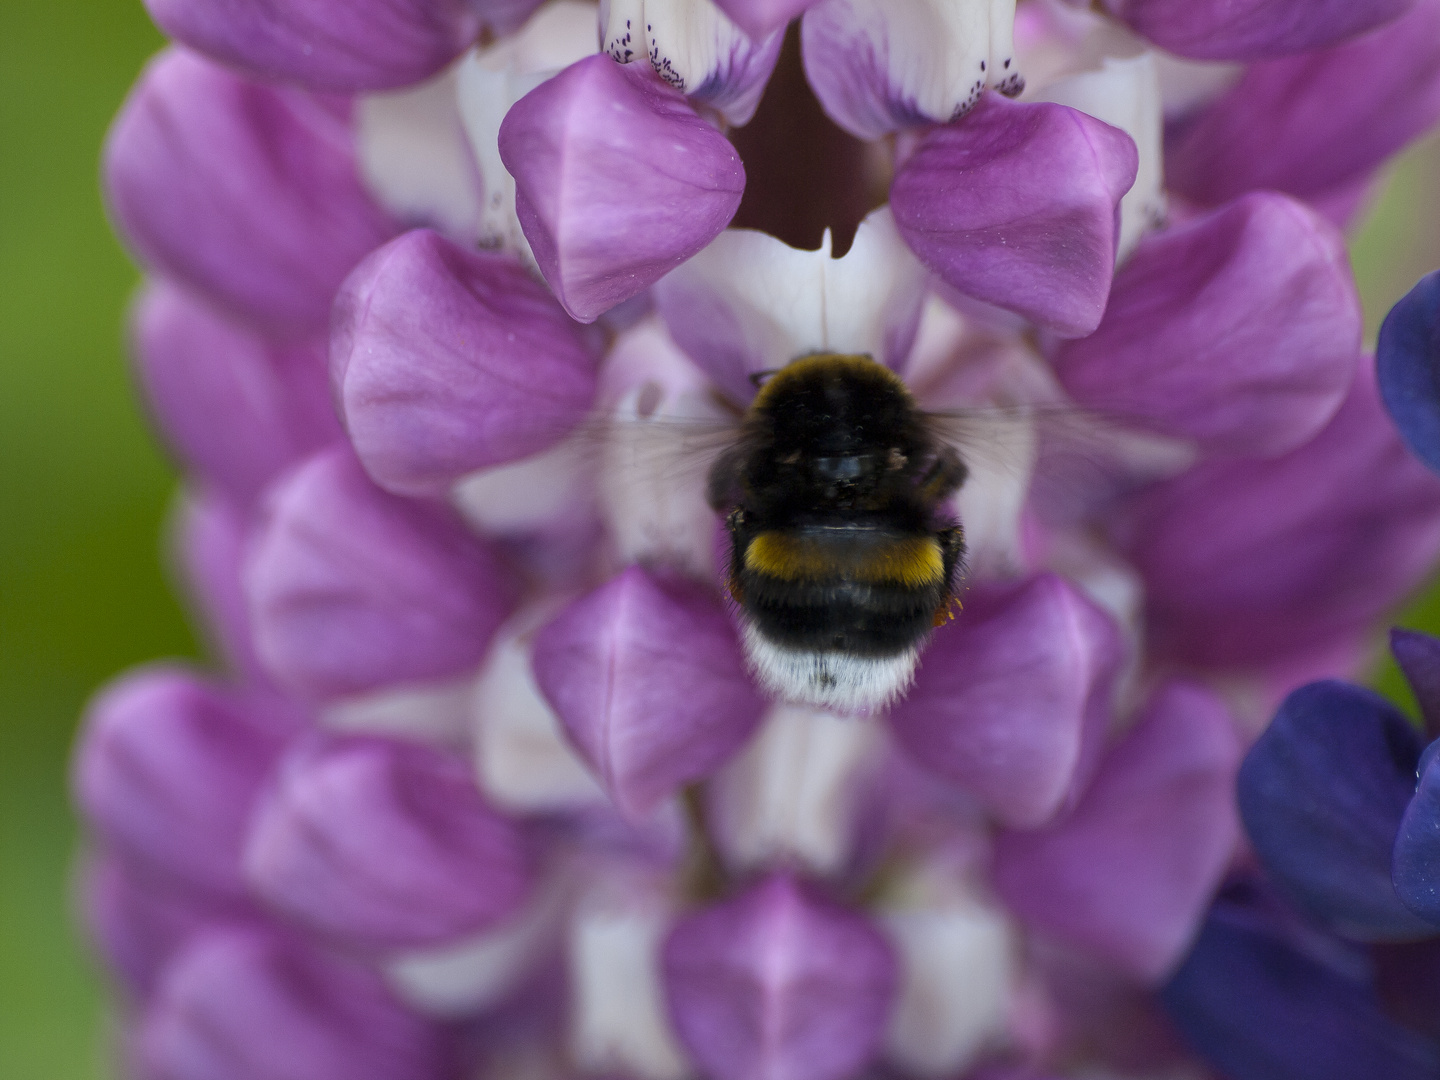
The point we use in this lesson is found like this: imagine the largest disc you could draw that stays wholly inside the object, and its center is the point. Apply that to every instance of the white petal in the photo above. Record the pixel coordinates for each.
(489, 81)
(532, 493)
(617, 1016)
(694, 47)
(415, 159)
(749, 302)
(663, 430)
(523, 760)
(1186, 85)
(958, 967)
(791, 793)
(437, 712)
(879, 65)
(470, 976)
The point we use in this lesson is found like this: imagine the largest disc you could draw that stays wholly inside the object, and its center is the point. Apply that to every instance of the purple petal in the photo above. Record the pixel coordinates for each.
(352, 589)
(1252, 29)
(1265, 1001)
(1239, 329)
(617, 181)
(245, 192)
(167, 769)
(760, 18)
(1322, 793)
(648, 678)
(383, 844)
(779, 985)
(137, 923)
(249, 1005)
(447, 360)
(1310, 124)
(1419, 658)
(1130, 873)
(1407, 362)
(211, 533)
(237, 409)
(877, 66)
(1012, 698)
(1018, 206)
(1416, 867)
(1249, 563)
(349, 45)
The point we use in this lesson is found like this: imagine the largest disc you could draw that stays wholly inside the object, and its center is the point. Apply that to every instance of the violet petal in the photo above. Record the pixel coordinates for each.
(1407, 363)
(1310, 124)
(1322, 792)
(649, 680)
(237, 409)
(352, 45)
(1239, 329)
(352, 589)
(246, 192)
(383, 844)
(617, 181)
(1261, 1005)
(779, 984)
(1018, 206)
(1013, 697)
(249, 1005)
(1252, 29)
(1419, 658)
(447, 360)
(210, 537)
(879, 65)
(1416, 866)
(1130, 873)
(1249, 563)
(167, 769)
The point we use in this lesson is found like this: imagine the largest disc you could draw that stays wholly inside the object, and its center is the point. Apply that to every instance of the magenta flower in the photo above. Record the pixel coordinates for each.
(450, 304)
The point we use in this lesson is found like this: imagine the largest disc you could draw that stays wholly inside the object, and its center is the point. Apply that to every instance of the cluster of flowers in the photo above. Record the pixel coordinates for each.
(484, 788)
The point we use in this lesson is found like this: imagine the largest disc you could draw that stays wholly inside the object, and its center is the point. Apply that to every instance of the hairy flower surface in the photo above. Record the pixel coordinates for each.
(450, 304)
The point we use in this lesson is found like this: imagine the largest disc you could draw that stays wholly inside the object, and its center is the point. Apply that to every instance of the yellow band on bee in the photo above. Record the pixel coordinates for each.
(912, 561)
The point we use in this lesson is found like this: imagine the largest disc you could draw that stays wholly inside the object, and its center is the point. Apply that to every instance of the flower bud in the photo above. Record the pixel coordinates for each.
(384, 845)
(447, 360)
(1407, 363)
(1239, 329)
(210, 536)
(250, 1005)
(352, 589)
(617, 181)
(1013, 697)
(245, 192)
(1018, 207)
(1129, 874)
(648, 678)
(779, 985)
(167, 769)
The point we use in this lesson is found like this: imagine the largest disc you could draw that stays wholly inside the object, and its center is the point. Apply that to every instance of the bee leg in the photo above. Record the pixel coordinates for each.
(734, 521)
(944, 476)
(952, 549)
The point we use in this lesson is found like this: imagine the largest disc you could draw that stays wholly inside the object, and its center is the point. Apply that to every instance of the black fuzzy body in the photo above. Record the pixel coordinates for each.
(836, 465)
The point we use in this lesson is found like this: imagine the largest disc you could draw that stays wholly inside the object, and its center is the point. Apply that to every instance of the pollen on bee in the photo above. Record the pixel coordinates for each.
(947, 611)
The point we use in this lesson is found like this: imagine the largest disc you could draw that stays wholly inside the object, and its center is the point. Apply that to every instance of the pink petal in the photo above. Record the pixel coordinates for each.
(760, 18)
(447, 360)
(1131, 872)
(245, 192)
(617, 181)
(1013, 698)
(1239, 329)
(648, 678)
(210, 536)
(1018, 206)
(237, 409)
(352, 589)
(1252, 29)
(777, 984)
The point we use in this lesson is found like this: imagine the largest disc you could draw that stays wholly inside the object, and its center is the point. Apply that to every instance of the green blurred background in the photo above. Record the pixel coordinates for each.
(84, 490)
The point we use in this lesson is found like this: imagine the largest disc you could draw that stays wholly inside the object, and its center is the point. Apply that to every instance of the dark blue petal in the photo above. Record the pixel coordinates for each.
(1260, 1002)
(1417, 847)
(1321, 793)
(1407, 360)
(1419, 658)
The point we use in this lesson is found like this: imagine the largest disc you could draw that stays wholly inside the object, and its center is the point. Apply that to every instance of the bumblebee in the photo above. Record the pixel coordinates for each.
(843, 558)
